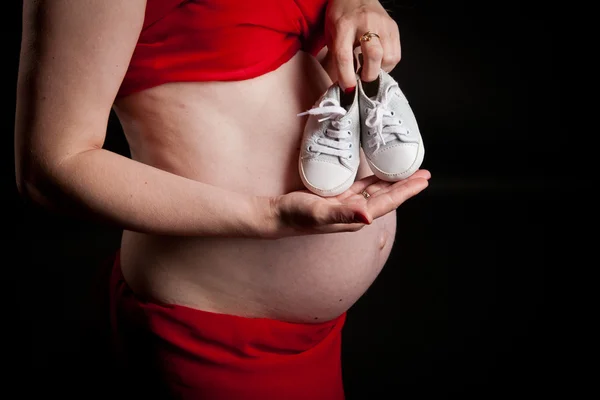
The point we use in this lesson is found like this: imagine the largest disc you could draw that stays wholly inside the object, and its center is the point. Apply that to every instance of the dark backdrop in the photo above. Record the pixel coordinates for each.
(459, 310)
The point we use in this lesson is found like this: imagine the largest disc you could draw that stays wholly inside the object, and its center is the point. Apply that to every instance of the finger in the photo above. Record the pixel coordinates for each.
(372, 184)
(378, 190)
(331, 214)
(421, 173)
(372, 52)
(363, 183)
(343, 53)
(336, 228)
(381, 187)
(387, 202)
(377, 187)
(391, 50)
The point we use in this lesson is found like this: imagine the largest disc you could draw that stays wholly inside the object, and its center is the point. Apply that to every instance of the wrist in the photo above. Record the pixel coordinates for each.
(265, 221)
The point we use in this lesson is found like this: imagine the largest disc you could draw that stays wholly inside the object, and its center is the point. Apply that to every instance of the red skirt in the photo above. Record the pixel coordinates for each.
(191, 354)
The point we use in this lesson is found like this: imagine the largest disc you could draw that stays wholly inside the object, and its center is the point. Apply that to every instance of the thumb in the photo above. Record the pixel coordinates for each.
(346, 214)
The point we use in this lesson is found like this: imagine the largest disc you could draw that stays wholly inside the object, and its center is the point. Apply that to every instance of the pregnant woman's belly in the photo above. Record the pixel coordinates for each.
(245, 137)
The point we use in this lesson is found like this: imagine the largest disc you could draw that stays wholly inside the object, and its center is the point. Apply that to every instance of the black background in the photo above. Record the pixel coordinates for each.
(460, 308)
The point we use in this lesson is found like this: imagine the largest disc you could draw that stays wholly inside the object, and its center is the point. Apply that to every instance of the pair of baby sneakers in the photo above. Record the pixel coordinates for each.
(376, 117)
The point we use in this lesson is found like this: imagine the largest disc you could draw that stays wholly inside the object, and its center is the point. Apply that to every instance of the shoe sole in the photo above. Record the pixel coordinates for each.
(404, 175)
(326, 193)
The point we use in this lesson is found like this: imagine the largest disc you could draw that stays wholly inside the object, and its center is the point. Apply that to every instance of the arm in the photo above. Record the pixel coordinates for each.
(74, 55)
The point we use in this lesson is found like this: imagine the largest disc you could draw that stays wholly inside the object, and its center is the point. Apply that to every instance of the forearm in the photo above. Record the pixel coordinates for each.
(137, 197)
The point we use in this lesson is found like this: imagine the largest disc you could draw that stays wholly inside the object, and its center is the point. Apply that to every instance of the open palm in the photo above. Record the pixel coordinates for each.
(351, 210)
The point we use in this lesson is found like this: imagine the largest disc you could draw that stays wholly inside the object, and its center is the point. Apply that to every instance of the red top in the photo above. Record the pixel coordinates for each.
(221, 40)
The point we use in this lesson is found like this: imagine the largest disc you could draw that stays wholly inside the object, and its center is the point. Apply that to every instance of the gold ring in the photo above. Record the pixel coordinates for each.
(365, 194)
(367, 36)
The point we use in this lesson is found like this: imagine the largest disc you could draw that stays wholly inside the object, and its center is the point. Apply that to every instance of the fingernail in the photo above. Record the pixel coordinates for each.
(350, 90)
(361, 218)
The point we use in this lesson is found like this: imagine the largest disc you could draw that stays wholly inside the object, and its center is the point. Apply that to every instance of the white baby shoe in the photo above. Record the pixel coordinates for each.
(390, 136)
(330, 151)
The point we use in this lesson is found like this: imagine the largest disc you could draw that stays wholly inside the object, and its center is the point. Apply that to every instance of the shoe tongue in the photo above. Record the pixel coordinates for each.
(346, 101)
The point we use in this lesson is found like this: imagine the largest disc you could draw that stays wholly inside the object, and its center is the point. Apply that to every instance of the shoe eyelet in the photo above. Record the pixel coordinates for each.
(309, 148)
(349, 133)
(349, 145)
(392, 113)
(349, 122)
(400, 122)
(350, 156)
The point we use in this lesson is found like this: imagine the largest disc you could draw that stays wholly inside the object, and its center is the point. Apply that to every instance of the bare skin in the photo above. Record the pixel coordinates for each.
(211, 204)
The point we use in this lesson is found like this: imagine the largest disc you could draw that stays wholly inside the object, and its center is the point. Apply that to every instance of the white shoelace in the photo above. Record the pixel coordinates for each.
(335, 143)
(383, 122)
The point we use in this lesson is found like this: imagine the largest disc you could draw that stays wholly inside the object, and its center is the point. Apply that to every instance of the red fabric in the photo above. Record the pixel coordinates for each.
(202, 355)
(221, 40)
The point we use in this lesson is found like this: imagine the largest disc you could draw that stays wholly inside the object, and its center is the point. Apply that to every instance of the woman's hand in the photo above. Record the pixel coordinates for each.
(345, 22)
(302, 212)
